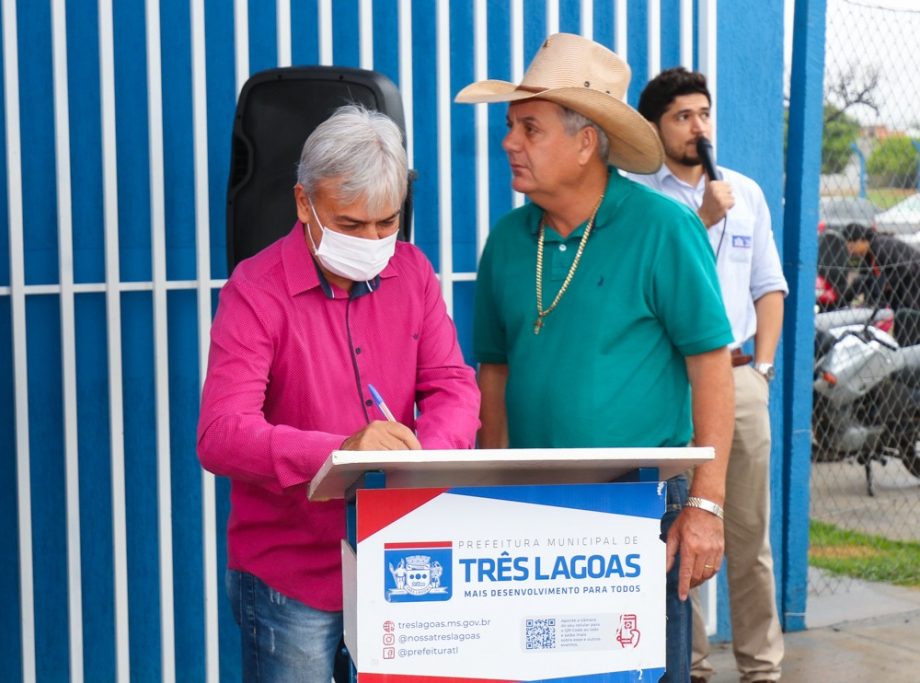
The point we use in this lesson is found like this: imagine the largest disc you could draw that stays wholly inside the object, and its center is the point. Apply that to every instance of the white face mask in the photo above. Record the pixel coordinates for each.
(354, 258)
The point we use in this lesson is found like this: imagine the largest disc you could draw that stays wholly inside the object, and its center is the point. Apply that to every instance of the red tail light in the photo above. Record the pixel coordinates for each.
(821, 226)
(824, 292)
(830, 378)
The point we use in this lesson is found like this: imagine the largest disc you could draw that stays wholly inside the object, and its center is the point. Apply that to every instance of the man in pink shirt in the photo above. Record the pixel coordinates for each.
(302, 329)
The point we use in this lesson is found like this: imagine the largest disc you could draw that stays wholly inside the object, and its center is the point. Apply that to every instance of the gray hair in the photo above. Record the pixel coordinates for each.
(573, 122)
(363, 151)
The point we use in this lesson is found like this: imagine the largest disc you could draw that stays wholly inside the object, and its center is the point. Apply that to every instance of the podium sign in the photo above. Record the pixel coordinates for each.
(510, 583)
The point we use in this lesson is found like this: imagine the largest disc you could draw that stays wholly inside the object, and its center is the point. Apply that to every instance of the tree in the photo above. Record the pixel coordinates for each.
(853, 87)
(893, 163)
(840, 131)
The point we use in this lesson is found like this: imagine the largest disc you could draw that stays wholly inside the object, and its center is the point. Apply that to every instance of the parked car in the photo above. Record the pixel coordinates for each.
(901, 219)
(837, 212)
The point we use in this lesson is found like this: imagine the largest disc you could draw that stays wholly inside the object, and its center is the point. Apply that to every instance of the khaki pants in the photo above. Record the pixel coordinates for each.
(757, 638)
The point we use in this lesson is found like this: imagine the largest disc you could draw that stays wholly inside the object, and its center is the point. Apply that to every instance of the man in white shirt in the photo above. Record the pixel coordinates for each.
(736, 216)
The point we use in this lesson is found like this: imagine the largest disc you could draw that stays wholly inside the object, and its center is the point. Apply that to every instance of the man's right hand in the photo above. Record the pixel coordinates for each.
(380, 435)
(699, 537)
(717, 200)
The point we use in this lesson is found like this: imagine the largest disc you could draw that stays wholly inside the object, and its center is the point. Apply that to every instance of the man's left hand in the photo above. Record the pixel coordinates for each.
(699, 537)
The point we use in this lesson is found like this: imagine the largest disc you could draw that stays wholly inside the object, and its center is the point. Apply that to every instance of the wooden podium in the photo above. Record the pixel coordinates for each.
(522, 564)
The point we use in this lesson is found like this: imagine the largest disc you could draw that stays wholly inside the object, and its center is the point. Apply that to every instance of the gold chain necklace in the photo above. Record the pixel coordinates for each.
(538, 323)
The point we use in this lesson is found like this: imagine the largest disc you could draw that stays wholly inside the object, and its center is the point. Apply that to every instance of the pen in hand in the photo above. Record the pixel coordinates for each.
(378, 399)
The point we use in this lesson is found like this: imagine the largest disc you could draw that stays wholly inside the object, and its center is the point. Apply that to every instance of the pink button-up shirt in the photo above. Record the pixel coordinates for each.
(291, 357)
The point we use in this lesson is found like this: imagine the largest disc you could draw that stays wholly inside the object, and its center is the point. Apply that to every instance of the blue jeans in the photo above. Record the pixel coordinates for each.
(283, 639)
(678, 614)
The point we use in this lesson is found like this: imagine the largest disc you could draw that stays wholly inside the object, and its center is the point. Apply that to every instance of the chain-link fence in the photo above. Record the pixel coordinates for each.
(865, 495)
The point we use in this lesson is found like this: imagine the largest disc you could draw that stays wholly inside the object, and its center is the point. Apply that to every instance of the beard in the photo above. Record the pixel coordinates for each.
(690, 159)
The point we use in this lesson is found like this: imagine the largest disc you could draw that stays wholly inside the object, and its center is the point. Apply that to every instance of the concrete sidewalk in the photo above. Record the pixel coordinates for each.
(869, 633)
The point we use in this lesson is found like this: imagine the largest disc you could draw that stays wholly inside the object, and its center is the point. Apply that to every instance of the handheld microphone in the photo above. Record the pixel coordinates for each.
(707, 157)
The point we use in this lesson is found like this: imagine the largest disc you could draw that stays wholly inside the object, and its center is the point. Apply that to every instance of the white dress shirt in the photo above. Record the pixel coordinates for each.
(747, 261)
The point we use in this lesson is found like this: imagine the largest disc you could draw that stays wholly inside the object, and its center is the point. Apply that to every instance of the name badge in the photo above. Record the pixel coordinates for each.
(742, 241)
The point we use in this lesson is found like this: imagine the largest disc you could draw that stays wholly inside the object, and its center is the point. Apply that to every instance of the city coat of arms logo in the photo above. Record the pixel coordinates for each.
(417, 571)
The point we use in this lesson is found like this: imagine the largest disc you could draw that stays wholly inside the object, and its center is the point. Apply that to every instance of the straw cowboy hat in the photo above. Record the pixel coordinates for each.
(587, 78)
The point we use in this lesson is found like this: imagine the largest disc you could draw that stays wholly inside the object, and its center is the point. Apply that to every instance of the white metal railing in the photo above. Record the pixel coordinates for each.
(160, 342)
(113, 335)
(18, 311)
(204, 286)
(68, 338)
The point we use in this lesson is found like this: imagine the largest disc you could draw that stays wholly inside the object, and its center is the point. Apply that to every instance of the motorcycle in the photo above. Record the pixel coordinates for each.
(866, 389)
(833, 271)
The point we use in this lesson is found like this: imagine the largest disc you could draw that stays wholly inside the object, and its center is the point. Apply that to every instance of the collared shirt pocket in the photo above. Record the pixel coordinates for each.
(740, 247)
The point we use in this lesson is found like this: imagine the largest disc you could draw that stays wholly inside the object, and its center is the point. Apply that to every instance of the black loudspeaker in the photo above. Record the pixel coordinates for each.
(276, 112)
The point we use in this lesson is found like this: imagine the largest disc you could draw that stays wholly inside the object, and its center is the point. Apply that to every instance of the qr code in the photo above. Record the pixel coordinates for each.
(540, 634)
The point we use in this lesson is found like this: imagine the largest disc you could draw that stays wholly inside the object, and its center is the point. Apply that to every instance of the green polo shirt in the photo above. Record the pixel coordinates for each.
(607, 368)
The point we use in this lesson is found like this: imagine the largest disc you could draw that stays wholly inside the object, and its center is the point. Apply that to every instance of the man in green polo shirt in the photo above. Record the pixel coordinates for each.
(597, 304)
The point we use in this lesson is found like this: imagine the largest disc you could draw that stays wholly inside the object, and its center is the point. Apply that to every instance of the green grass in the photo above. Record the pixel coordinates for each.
(882, 197)
(861, 556)
(886, 197)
